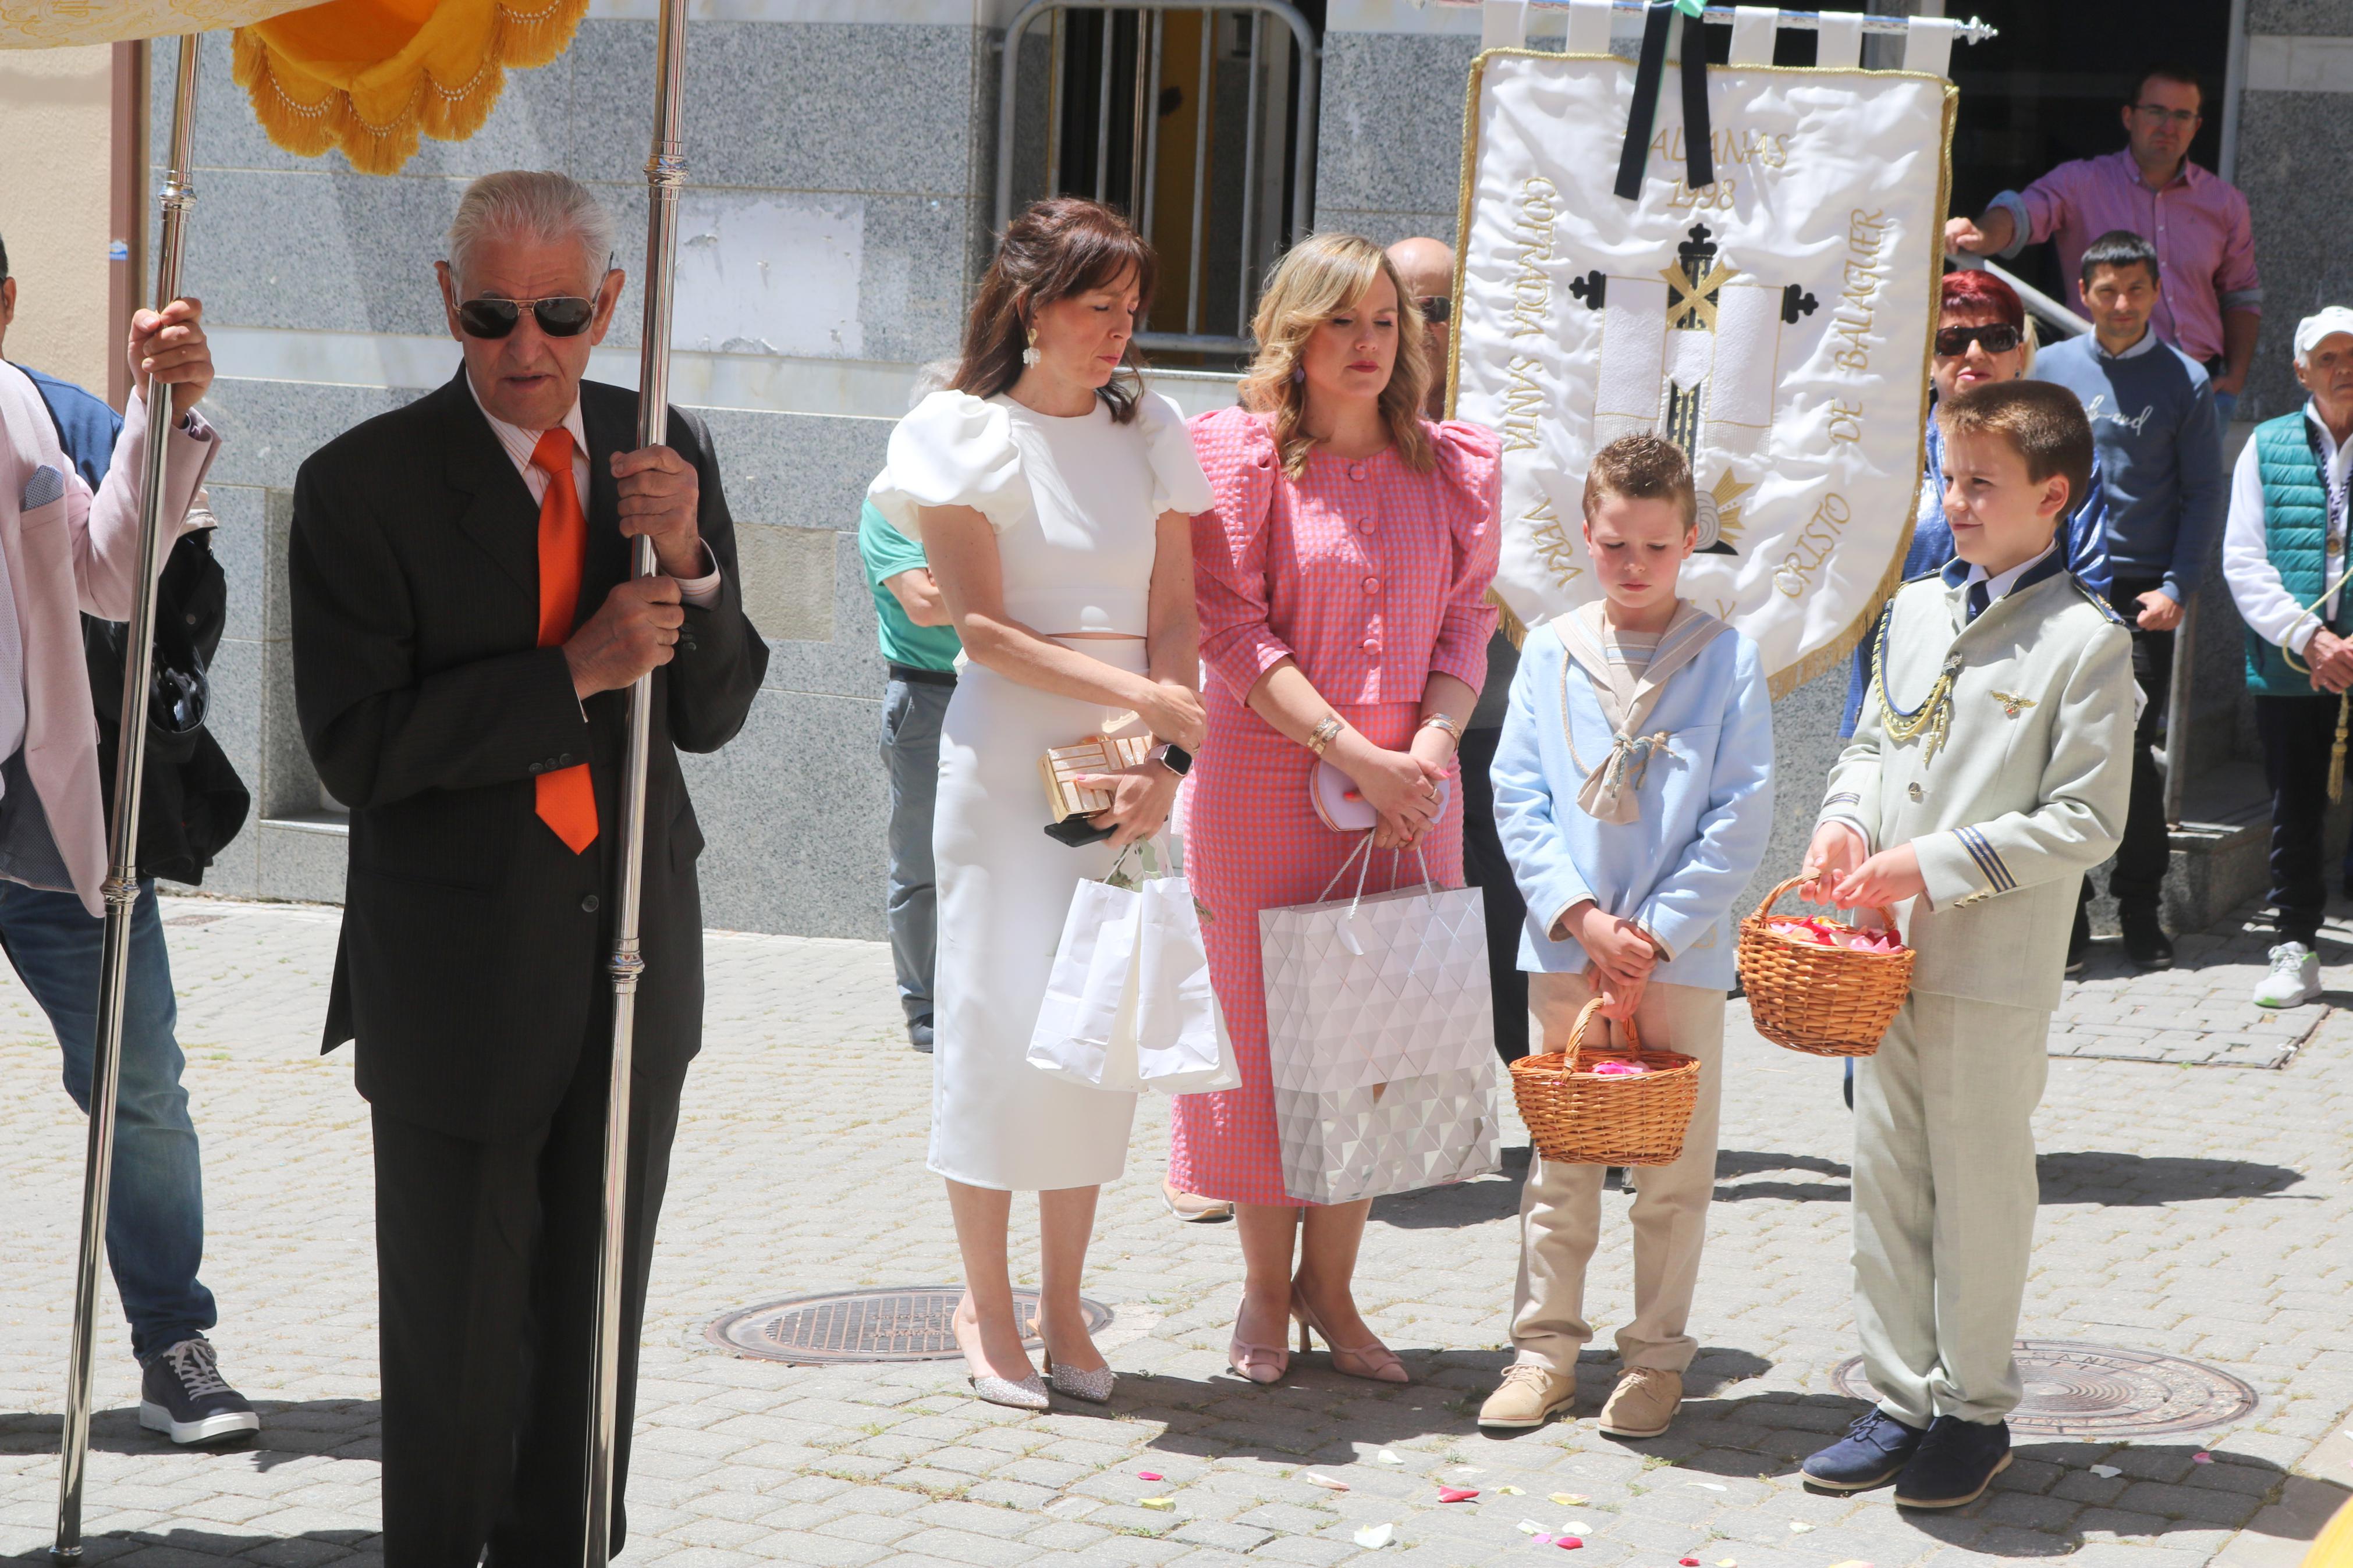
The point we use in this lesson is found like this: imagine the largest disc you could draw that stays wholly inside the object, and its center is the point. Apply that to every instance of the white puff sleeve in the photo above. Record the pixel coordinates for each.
(951, 449)
(1177, 482)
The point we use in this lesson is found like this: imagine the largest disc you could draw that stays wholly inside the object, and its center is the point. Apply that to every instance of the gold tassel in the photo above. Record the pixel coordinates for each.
(2337, 752)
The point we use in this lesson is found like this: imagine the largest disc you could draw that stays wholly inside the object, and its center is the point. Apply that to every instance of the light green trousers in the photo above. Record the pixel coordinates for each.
(1945, 1193)
(1560, 1206)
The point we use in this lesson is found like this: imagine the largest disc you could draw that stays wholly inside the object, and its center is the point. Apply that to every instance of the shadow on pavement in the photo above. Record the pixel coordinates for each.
(2091, 1176)
(1733, 1163)
(1459, 1205)
(337, 1428)
(2160, 1486)
(2068, 1176)
(190, 1547)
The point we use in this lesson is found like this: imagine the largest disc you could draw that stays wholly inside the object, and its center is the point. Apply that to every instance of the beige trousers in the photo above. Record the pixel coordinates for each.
(1560, 1207)
(1945, 1193)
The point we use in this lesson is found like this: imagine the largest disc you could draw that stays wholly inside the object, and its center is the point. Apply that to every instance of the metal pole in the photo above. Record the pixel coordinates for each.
(1202, 100)
(1152, 132)
(2177, 721)
(1250, 176)
(665, 173)
(122, 834)
(1103, 108)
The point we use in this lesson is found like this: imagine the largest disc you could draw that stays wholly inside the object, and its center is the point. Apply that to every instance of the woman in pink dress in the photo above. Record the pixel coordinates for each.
(1342, 583)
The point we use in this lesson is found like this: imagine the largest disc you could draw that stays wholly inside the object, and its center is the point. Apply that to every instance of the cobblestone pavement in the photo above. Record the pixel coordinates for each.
(2197, 1013)
(2195, 1212)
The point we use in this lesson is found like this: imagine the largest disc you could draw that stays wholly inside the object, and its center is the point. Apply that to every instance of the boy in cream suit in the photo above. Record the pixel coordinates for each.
(1991, 769)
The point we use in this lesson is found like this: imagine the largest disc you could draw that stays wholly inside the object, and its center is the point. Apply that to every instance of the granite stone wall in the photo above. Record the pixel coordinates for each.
(873, 219)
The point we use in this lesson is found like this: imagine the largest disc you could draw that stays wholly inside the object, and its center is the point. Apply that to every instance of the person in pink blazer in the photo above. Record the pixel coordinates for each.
(65, 551)
(71, 554)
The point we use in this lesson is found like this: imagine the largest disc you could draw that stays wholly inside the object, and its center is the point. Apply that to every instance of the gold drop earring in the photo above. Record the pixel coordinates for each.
(1030, 355)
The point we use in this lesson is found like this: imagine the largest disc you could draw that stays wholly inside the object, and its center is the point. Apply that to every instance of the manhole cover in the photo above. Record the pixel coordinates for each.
(2077, 1390)
(908, 1324)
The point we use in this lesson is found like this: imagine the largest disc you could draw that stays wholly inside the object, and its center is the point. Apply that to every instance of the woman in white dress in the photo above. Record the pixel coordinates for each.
(1052, 495)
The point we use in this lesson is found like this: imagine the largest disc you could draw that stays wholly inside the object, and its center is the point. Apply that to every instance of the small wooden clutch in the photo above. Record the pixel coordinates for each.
(1093, 754)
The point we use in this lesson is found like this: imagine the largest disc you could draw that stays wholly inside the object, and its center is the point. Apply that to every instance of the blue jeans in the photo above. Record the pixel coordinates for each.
(155, 1215)
(912, 711)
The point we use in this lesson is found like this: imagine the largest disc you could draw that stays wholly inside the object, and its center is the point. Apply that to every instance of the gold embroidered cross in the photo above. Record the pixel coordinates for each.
(1695, 298)
(2010, 704)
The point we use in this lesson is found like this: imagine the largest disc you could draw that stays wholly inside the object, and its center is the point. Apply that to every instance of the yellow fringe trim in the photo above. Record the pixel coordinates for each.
(307, 113)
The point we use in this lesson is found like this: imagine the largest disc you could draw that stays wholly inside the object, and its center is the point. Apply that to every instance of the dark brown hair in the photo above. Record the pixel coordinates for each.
(1055, 249)
(1641, 467)
(2042, 422)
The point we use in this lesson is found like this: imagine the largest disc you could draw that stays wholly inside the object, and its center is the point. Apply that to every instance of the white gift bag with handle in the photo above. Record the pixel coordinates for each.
(1380, 1038)
(1181, 1043)
(1086, 1031)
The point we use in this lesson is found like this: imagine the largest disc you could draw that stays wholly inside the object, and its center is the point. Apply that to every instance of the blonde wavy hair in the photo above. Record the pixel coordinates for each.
(1317, 279)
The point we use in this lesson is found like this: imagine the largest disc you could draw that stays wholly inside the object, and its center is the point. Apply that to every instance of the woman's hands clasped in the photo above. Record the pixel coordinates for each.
(1406, 787)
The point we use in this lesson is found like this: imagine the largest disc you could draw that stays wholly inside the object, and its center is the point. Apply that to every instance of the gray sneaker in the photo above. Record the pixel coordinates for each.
(181, 1393)
(2294, 978)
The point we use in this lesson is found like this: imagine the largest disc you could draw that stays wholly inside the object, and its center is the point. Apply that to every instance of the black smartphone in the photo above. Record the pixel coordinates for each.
(1078, 831)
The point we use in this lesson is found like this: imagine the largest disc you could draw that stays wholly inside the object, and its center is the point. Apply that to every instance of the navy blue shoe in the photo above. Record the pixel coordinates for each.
(1873, 1451)
(1956, 1462)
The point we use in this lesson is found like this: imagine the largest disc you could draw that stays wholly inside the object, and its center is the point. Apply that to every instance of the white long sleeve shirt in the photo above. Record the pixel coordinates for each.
(2264, 604)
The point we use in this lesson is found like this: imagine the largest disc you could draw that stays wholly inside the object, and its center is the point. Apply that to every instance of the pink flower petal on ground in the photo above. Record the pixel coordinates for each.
(2201, 1459)
(1150, 1476)
(1688, 1562)
(1326, 1482)
(1569, 1542)
(1456, 1494)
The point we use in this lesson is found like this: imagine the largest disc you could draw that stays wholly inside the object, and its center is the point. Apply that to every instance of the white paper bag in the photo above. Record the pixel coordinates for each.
(1086, 1030)
(1381, 1040)
(1181, 1043)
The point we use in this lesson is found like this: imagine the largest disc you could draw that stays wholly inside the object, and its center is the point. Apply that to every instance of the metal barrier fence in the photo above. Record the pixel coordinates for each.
(1135, 74)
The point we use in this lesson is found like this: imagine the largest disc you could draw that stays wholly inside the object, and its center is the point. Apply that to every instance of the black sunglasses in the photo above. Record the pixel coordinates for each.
(559, 316)
(1998, 339)
(1437, 310)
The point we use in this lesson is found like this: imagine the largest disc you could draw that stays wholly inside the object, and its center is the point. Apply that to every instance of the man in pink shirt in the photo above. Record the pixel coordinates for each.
(2209, 304)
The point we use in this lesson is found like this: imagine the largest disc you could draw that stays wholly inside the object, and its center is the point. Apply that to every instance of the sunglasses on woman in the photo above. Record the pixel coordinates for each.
(1998, 339)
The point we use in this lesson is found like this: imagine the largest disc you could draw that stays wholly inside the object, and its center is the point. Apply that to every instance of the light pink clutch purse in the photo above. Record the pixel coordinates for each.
(1343, 807)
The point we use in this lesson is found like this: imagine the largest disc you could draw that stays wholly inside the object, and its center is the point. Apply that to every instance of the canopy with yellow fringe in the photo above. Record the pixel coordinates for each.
(366, 77)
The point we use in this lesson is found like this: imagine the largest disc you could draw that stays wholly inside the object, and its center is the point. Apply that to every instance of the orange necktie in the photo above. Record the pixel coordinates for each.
(567, 801)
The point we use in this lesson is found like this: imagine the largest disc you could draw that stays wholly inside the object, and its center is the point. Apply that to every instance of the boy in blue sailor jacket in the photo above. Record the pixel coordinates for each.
(1990, 770)
(1633, 792)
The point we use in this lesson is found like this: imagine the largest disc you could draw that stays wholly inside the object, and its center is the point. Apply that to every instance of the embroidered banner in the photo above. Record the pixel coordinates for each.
(1774, 324)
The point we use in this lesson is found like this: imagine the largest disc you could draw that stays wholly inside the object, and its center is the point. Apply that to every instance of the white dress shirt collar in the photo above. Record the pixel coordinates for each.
(1996, 586)
(520, 444)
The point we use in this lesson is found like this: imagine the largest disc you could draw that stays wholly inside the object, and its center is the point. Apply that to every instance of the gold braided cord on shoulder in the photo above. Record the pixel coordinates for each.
(369, 77)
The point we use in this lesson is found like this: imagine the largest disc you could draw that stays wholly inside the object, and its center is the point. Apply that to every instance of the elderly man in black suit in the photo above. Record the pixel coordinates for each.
(465, 629)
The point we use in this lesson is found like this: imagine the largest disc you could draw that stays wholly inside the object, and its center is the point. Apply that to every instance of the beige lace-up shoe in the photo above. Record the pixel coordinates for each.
(1645, 1402)
(1529, 1396)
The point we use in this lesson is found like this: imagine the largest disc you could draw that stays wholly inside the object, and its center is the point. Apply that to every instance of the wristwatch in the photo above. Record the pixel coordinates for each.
(1172, 756)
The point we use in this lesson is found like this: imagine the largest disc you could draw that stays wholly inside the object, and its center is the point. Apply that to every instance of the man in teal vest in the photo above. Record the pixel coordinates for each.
(2284, 555)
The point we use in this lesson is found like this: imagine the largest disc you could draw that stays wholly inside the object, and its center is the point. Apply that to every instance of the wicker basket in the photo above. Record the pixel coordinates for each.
(1824, 1001)
(1580, 1118)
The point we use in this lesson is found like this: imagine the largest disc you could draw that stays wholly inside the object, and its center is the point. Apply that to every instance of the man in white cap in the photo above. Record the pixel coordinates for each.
(2284, 555)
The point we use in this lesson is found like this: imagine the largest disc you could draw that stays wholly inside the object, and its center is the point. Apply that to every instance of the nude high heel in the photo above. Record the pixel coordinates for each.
(1260, 1363)
(1371, 1360)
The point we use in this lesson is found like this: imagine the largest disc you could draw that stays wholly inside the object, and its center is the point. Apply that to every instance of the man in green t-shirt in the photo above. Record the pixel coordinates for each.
(911, 619)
